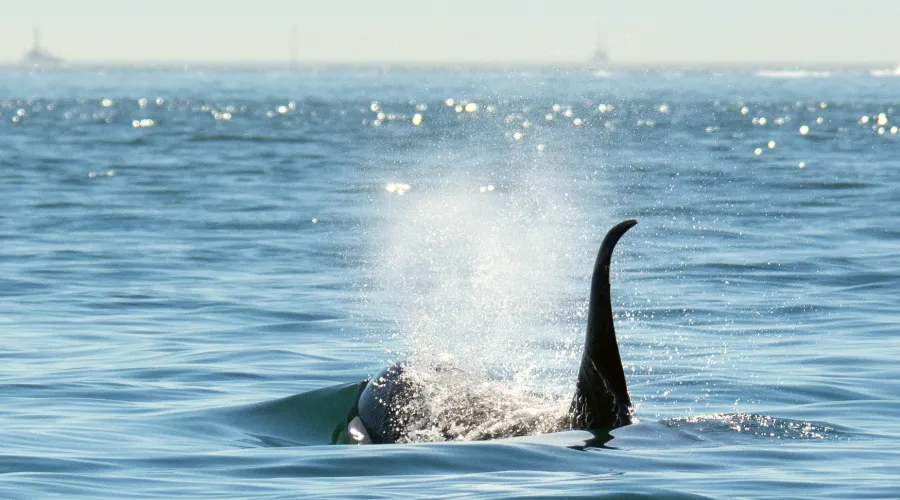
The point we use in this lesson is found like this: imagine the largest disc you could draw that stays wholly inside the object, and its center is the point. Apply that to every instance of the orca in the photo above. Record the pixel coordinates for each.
(600, 403)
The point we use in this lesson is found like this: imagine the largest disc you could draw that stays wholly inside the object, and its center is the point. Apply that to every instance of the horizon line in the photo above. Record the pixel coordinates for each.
(499, 64)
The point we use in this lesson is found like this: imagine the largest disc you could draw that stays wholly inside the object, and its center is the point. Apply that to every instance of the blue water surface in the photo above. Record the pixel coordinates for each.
(199, 265)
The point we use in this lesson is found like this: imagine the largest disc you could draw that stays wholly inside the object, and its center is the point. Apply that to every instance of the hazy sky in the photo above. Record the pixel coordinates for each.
(639, 31)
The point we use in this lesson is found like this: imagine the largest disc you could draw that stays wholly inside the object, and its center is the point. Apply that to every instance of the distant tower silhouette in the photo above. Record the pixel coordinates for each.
(294, 45)
(599, 59)
(37, 56)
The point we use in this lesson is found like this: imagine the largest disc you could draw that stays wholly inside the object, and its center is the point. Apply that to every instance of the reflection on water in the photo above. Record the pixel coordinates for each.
(200, 266)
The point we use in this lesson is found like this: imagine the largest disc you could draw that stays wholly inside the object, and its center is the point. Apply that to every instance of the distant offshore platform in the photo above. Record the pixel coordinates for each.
(599, 62)
(37, 57)
(599, 58)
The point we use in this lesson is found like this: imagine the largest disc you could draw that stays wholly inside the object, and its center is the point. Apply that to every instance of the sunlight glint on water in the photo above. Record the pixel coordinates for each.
(189, 304)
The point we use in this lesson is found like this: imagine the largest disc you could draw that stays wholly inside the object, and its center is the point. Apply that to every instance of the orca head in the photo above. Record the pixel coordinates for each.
(374, 418)
(601, 399)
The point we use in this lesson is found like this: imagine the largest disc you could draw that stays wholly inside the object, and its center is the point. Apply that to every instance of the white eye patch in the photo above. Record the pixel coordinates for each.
(357, 432)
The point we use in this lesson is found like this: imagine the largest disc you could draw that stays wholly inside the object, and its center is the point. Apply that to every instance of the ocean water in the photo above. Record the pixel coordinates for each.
(200, 266)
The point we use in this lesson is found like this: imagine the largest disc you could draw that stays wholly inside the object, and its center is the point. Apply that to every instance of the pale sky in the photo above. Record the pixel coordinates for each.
(523, 31)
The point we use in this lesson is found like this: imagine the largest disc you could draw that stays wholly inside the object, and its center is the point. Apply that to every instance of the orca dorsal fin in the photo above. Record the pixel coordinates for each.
(601, 399)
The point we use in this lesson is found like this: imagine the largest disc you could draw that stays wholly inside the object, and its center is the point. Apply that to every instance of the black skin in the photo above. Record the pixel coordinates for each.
(381, 404)
(601, 401)
(601, 398)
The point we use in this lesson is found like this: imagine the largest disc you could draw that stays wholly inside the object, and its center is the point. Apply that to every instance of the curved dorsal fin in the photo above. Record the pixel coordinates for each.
(601, 399)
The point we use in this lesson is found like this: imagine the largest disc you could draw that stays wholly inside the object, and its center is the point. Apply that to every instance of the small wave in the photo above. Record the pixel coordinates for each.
(763, 426)
(17, 288)
(839, 185)
(57, 205)
(124, 141)
(308, 419)
(258, 139)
